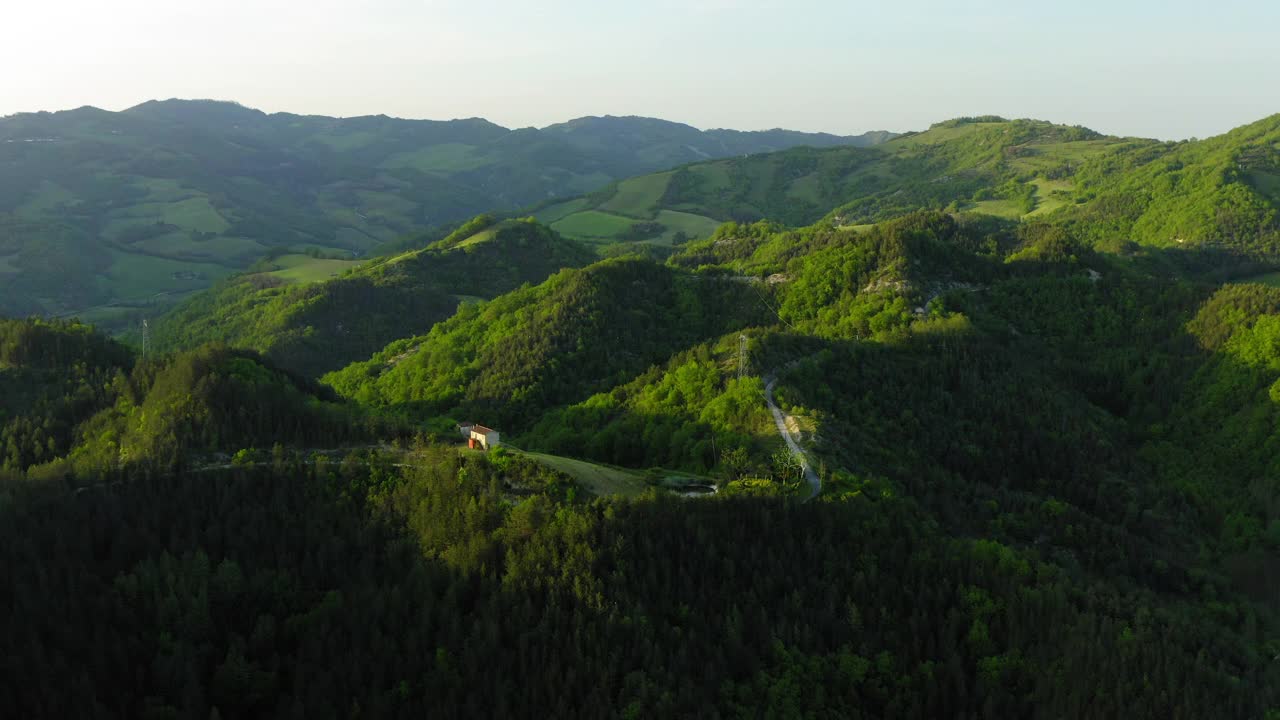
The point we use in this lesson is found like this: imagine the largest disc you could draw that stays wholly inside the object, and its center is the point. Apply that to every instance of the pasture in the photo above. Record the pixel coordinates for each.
(638, 197)
(305, 269)
(600, 480)
(559, 211)
(693, 226)
(592, 225)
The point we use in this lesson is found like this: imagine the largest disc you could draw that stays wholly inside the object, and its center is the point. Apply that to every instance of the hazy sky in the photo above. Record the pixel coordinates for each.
(1168, 69)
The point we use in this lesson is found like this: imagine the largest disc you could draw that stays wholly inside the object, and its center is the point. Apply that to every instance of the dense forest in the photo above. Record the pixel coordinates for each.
(1035, 370)
(471, 587)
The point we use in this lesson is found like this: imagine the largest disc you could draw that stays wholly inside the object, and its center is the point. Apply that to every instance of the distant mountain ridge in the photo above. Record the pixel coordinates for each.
(105, 211)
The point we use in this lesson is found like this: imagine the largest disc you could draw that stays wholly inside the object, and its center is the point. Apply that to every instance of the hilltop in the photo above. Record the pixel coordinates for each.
(1220, 191)
(104, 214)
(1007, 168)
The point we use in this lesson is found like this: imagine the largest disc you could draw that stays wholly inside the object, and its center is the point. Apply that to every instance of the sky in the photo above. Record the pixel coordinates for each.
(1171, 70)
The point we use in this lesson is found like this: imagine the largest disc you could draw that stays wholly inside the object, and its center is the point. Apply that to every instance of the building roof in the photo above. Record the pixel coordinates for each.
(482, 429)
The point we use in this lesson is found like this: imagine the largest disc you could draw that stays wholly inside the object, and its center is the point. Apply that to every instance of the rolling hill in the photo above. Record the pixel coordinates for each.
(1220, 191)
(311, 324)
(105, 213)
(1005, 168)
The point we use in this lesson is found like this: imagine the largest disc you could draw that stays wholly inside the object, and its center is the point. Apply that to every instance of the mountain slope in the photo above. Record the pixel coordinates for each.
(508, 360)
(1005, 168)
(104, 214)
(316, 327)
(1223, 191)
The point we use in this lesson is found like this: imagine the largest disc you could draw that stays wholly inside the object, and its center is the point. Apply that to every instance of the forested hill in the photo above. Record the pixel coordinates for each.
(107, 211)
(76, 404)
(1221, 191)
(315, 327)
(579, 332)
(991, 165)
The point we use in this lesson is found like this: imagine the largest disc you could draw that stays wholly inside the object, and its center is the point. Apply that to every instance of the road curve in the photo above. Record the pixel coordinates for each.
(815, 482)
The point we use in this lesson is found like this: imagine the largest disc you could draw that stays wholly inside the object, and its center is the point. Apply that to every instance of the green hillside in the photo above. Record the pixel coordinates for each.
(53, 377)
(1005, 168)
(78, 404)
(984, 422)
(322, 325)
(1221, 191)
(111, 215)
(510, 359)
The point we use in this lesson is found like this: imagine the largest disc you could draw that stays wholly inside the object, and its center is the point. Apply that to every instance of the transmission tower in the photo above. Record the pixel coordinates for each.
(146, 337)
(742, 356)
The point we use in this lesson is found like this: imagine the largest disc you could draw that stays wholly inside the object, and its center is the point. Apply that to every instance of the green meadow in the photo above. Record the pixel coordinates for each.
(306, 269)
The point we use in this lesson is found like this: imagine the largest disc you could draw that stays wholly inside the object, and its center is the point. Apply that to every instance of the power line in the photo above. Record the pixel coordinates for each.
(770, 307)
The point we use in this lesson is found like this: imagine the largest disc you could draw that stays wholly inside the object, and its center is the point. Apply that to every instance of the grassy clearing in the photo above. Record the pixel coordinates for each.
(693, 226)
(592, 224)
(1050, 195)
(195, 213)
(480, 237)
(1051, 155)
(134, 277)
(446, 157)
(934, 136)
(714, 176)
(1000, 208)
(305, 269)
(598, 479)
(181, 246)
(639, 196)
(560, 211)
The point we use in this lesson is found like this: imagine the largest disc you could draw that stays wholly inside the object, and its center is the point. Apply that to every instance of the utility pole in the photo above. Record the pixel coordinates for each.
(146, 337)
(742, 356)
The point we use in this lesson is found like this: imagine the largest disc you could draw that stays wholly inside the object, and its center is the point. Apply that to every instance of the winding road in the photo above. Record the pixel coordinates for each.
(815, 482)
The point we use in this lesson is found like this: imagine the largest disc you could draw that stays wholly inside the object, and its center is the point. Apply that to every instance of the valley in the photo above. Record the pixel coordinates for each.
(113, 215)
